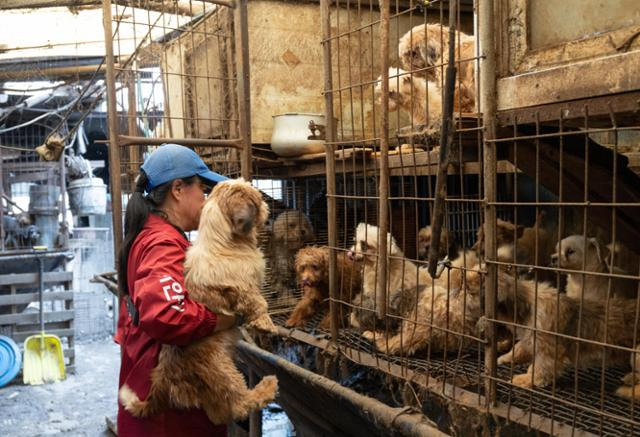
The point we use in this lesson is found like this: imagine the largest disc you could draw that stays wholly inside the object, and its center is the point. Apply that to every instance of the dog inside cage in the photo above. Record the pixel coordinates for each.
(482, 244)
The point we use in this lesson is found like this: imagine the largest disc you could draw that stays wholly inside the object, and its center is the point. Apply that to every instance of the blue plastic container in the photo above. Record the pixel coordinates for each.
(10, 360)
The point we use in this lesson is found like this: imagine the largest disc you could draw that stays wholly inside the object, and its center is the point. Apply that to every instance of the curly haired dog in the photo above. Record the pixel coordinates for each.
(572, 251)
(448, 245)
(403, 279)
(224, 269)
(425, 48)
(291, 231)
(420, 98)
(450, 303)
(555, 312)
(312, 267)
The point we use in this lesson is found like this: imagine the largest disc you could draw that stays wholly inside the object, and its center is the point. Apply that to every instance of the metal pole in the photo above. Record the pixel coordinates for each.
(395, 421)
(241, 31)
(446, 138)
(383, 188)
(488, 108)
(127, 140)
(255, 418)
(63, 202)
(325, 19)
(2, 196)
(114, 151)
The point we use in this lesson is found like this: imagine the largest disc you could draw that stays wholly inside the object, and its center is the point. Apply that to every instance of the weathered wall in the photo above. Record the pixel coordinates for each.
(286, 68)
(557, 51)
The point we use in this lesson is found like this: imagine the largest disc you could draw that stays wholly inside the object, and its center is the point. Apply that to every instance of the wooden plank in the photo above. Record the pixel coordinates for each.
(20, 337)
(32, 278)
(26, 298)
(570, 82)
(35, 327)
(22, 319)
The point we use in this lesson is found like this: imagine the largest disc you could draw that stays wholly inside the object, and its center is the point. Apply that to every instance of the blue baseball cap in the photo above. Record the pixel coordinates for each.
(173, 161)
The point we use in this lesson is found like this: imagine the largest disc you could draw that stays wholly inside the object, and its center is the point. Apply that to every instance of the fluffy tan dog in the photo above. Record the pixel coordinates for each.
(312, 267)
(225, 269)
(557, 312)
(403, 278)
(451, 302)
(421, 99)
(291, 231)
(506, 233)
(448, 246)
(425, 48)
(570, 254)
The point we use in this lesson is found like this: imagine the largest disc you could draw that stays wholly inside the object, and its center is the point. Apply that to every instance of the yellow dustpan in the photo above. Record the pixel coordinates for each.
(43, 358)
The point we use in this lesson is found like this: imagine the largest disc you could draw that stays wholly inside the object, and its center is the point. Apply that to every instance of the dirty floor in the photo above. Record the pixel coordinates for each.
(74, 407)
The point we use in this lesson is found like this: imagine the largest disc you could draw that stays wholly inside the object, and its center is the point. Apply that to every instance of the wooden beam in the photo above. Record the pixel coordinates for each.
(183, 7)
(28, 318)
(32, 278)
(19, 337)
(27, 298)
(54, 72)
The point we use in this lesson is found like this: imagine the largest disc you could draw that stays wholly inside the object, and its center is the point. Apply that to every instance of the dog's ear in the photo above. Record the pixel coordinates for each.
(594, 242)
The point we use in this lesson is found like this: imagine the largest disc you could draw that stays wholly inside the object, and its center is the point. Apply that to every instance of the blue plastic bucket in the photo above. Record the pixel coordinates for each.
(10, 360)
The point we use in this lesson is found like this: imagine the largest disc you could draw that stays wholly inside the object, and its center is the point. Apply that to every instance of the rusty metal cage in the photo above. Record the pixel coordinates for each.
(449, 193)
(176, 73)
(512, 186)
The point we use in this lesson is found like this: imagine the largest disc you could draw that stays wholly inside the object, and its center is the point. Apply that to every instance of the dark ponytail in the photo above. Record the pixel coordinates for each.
(138, 210)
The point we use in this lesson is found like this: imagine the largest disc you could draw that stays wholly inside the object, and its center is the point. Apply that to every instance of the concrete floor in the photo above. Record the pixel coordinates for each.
(74, 407)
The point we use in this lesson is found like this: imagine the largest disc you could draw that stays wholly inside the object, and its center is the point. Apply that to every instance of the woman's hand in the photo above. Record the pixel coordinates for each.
(225, 322)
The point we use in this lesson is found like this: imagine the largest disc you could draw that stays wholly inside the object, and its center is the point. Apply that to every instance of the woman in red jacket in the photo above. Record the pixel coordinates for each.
(155, 308)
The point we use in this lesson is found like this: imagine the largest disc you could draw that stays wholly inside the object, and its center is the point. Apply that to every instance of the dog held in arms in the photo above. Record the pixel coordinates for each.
(312, 268)
(291, 232)
(225, 269)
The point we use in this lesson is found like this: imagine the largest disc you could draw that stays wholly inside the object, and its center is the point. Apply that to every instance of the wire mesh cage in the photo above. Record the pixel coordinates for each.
(423, 171)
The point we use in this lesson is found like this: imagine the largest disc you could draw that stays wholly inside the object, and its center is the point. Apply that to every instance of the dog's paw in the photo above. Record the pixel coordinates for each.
(504, 345)
(524, 380)
(369, 335)
(631, 378)
(506, 358)
(628, 392)
(263, 323)
(294, 322)
(267, 390)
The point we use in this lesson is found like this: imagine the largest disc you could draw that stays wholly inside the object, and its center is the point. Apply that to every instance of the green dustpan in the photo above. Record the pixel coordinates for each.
(43, 357)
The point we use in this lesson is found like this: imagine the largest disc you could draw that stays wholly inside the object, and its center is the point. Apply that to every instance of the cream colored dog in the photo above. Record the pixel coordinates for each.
(425, 49)
(572, 251)
(420, 98)
(403, 277)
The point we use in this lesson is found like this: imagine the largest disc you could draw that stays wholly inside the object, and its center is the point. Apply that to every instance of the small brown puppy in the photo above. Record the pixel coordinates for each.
(506, 233)
(224, 269)
(312, 267)
(448, 246)
(291, 232)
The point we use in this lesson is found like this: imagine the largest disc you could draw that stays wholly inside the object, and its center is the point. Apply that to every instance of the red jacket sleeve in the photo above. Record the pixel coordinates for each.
(165, 311)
